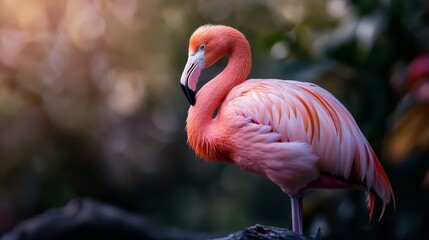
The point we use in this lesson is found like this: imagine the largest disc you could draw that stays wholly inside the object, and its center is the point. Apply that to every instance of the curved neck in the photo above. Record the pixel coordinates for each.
(214, 93)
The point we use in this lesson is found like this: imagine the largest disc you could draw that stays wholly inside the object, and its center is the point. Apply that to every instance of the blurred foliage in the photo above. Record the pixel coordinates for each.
(90, 106)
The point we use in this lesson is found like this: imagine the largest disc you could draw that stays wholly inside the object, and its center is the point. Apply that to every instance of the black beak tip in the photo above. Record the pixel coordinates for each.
(190, 95)
(192, 101)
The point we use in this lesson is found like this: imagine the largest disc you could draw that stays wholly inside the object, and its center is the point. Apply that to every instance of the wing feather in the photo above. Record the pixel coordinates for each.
(303, 112)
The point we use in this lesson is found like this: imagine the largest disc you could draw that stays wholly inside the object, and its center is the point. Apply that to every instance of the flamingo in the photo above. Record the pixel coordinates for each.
(295, 133)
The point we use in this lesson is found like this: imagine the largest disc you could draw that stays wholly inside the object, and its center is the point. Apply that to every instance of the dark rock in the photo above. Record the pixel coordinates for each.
(261, 232)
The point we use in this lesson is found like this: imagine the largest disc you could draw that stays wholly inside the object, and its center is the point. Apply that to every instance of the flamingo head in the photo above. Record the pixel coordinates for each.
(207, 45)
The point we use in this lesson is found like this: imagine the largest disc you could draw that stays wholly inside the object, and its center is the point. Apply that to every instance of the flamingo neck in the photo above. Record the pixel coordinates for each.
(203, 131)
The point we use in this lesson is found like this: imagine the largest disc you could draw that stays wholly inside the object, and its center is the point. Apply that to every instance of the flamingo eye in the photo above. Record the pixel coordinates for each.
(203, 47)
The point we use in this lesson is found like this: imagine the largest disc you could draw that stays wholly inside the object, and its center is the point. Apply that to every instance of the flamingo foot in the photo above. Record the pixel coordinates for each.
(296, 205)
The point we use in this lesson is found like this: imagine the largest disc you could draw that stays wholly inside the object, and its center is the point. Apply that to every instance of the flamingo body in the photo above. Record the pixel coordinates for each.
(295, 133)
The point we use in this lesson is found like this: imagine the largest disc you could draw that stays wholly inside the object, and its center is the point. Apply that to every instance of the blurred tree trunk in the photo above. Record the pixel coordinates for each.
(88, 219)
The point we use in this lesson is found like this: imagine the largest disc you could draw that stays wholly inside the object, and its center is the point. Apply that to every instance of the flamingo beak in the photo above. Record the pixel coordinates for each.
(190, 75)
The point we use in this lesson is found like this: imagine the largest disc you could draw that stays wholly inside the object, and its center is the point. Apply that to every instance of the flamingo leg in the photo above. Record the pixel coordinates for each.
(296, 205)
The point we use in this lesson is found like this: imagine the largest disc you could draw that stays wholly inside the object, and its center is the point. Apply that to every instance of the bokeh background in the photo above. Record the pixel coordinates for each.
(90, 106)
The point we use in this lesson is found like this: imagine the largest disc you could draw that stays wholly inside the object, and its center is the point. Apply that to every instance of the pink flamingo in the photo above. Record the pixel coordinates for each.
(295, 133)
